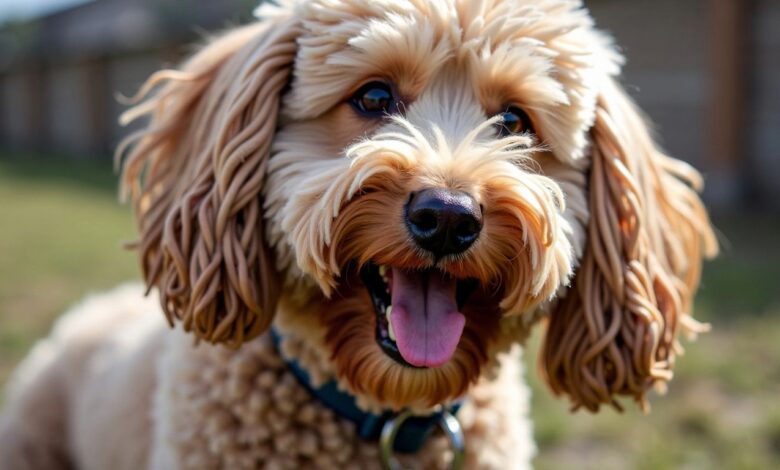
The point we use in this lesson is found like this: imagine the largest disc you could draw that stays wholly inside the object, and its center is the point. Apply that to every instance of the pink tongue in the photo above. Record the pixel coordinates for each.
(425, 317)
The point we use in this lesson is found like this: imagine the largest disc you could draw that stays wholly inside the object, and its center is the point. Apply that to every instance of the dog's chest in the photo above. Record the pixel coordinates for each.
(245, 409)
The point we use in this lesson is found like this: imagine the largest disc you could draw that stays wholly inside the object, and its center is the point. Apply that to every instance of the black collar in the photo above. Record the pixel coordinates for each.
(412, 434)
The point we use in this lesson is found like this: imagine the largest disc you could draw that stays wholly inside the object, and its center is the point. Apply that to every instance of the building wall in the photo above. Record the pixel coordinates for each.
(126, 74)
(666, 48)
(68, 112)
(71, 109)
(666, 69)
(764, 99)
(16, 111)
(69, 104)
(59, 78)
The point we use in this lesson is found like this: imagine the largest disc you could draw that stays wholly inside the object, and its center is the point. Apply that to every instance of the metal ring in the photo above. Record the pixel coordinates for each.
(447, 422)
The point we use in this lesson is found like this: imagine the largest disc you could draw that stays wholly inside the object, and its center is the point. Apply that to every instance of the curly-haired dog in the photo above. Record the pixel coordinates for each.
(360, 208)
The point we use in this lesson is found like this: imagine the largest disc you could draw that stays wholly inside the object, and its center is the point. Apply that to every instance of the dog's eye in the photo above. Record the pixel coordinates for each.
(514, 121)
(374, 99)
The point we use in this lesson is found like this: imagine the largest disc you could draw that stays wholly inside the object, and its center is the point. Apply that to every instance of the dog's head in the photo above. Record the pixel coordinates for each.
(420, 180)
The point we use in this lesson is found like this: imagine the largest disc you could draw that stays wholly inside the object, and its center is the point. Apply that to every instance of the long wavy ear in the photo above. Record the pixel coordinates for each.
(195, 176)
(615, 332)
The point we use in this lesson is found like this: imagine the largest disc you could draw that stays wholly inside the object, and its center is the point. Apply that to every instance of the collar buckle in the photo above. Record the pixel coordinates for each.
(445, 420)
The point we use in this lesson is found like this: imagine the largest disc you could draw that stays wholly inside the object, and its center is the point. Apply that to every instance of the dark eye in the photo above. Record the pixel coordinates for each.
(514, 121)
(374, 99)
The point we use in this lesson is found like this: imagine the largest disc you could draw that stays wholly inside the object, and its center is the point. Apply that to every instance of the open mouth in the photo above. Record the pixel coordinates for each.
(418, 313)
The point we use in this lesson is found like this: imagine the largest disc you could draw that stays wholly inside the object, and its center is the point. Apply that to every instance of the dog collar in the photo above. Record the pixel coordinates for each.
(408, 437)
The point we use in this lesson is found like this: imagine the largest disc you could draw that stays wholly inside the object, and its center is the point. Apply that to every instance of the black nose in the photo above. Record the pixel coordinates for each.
(443, 222)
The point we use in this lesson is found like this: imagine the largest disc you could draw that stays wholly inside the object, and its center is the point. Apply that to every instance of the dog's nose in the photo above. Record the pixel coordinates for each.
(443, 222)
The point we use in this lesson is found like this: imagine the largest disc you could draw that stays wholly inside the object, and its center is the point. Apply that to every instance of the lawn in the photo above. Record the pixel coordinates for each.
(61, 237)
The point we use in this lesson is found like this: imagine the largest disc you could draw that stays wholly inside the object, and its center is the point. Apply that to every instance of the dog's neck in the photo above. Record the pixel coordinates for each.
(301, 339)
(306, 350)
(409, 437)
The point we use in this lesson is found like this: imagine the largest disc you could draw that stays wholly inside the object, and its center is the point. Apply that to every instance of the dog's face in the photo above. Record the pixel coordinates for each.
(438, 172)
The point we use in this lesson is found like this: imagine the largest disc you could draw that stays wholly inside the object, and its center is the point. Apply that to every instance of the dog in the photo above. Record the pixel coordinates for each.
(353, 213)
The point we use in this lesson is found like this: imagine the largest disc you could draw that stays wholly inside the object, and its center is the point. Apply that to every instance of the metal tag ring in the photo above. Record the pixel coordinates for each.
(447, 422)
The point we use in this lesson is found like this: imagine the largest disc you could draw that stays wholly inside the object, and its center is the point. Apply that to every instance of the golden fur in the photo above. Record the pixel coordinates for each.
(615, 333)
(207, 178)
(260, 193)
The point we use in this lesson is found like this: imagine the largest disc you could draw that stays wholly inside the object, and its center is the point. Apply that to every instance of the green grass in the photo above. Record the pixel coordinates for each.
(722, 410)
(61, 235)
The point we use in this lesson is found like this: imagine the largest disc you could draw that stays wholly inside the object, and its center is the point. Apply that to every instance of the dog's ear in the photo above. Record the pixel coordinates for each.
(195, 175)
(615, 332)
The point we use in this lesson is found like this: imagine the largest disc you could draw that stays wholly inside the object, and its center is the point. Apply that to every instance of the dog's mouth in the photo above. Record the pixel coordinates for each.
(418, 313)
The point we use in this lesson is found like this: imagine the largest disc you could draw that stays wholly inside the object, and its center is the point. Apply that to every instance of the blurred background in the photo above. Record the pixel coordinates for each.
(707, 72)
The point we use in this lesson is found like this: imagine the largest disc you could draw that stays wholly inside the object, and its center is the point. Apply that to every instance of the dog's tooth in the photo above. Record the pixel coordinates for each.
(382, 271)
(390, 323)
